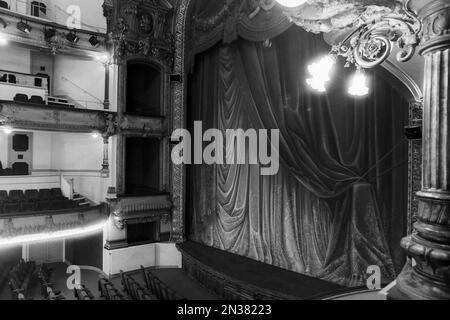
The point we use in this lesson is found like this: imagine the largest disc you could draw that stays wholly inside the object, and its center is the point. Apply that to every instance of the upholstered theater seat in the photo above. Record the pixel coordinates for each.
(16, 196)
(37, 100)
(45, 194)
(42, 206)
(21, 98)
(11, 208)
(3, 196)
(57, 205)
(28, 207)
(31, 195)
(57, 194)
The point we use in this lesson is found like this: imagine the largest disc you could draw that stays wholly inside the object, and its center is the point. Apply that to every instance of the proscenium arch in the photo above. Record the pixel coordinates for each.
(411, 91)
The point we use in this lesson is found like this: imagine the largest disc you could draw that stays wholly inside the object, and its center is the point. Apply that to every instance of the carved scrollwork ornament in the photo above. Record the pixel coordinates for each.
(371, 43)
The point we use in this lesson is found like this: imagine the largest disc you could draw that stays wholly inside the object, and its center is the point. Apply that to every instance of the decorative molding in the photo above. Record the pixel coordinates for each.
(412, 86)
(139, 209)
(178, 121)
(132, 125)
(414, 165)
(22, 224)
(140, 28)
(43, 117)
(436, 25)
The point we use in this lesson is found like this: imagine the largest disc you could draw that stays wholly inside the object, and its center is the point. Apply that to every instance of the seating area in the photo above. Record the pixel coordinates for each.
(83, 293)
(108, 291)
(157, 288)
(47, 291)
(20, 278)
(134, 289)
(17, 201)
(4, 272)
(17, 169)
(52, 101)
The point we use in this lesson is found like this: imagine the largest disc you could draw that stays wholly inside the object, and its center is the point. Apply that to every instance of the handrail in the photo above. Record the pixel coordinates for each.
(80, 88)
(47, 213)
(67, 186)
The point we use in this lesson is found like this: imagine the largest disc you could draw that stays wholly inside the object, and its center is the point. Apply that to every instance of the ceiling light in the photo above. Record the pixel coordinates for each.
(72, 37)
(24, 27)
(94, 41)
(291, 3)
(95, 135)
(358, 85)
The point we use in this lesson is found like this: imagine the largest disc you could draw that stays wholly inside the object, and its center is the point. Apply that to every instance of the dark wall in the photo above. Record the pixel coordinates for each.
(143, 89)
(10, 255)
(87, 251)
(142, 166)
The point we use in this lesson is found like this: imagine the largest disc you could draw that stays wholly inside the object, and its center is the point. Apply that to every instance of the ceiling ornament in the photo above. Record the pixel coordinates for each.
(375, 26)
(371, 28)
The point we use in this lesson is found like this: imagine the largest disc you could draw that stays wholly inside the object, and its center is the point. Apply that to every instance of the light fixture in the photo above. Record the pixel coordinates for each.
(367, 45)
(291, 3)
(321, 73)
(95, 135)
(49, 33)
(102, 57)
(72, 37)
(24, 27)
(7, 130)
(358, 85)
(3, 40)
(94, 41)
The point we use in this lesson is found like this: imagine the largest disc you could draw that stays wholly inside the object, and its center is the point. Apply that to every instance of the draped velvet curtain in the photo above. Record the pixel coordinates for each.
(338, 203)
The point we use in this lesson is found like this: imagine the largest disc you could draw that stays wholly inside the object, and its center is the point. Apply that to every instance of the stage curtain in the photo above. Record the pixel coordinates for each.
(338, 203)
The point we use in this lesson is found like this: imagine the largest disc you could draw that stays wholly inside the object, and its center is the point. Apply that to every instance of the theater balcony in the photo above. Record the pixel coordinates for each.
(139, 227)
(49, 26)
(26, 221)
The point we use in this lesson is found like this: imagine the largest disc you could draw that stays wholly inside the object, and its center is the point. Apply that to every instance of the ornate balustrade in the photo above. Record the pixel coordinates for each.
(33, 226)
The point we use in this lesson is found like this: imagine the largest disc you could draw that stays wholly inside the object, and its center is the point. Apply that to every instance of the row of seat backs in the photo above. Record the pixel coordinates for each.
(109, 291)
(37, 206)
(31, 195)
(21, 97)
(158, 288)
(18, 169)
(134, 288)
(81, 292)
(20, 277)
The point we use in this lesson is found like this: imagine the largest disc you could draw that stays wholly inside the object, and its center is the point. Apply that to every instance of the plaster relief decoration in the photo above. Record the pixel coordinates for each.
(142, 29)
(126, 210)
(330, 15)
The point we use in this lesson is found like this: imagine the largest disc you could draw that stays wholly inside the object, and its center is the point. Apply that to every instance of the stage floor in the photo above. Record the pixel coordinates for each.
(260, 274)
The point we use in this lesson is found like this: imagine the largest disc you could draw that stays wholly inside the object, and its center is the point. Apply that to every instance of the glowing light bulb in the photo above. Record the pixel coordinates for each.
(320, 72)
(3, 40)
(95, 135)
(7, 130)
(291, 3)
(358, 85)
(103, 58)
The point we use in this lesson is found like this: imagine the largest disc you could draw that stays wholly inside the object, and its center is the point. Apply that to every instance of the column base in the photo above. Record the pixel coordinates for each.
(412, 284)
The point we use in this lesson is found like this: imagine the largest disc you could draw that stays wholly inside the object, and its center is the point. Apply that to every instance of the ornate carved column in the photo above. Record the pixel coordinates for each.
(429, 245)
(106, 102)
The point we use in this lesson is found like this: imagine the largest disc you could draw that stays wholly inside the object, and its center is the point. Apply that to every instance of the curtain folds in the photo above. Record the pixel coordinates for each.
(335, 207)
